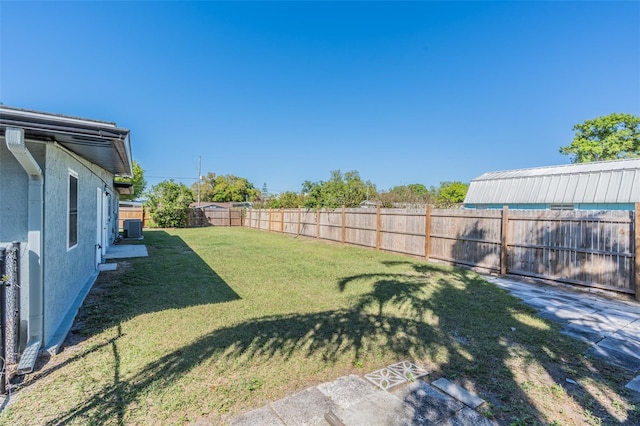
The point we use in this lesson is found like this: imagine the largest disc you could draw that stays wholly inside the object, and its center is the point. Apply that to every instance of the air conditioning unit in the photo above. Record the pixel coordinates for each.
(132, 228)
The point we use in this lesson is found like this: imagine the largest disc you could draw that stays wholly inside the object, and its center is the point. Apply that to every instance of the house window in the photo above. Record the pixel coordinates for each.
(561, 207)
(72, 208)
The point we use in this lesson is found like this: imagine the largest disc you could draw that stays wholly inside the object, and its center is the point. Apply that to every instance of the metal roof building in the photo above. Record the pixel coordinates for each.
(605, 185)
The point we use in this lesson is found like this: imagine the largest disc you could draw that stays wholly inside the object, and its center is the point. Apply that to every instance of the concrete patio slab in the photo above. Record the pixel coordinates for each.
(262, 416)
(426, 404)
(564, 314)
(468, 417)
(126, 251)
(625, 346)
(591, 324)
(617, 315)
(634, 326)
(614, 357)
(304, 408)
(610, 325)
(379, 409)
(583, 333)
(634, 384)
(348, 390)
(107, 267)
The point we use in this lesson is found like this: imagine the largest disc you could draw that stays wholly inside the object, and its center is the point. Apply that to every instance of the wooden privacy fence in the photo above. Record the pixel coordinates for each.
(591, 248)
(140, 213)
(215, 217)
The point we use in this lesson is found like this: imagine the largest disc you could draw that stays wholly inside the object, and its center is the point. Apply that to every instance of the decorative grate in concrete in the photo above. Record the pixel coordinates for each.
(408, 370)
(395, 374)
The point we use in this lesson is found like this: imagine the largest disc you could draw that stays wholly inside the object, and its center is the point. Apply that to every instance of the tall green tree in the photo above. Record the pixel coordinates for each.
(288, 200)
(609, 137)
(346, 189)
(168, 203)
(138, 182)
(413, 193)
(451, 194)
(225, 188)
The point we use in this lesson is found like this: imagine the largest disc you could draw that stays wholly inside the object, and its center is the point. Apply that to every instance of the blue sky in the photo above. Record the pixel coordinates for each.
(280, 93)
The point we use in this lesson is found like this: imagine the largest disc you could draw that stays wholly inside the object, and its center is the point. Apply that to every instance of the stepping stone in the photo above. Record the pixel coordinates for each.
(458, 393)
(307, 407)
(262, 416)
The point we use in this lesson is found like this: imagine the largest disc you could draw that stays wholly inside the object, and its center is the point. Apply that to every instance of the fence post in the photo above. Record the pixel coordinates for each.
(378, 227)
(269, 223)
(427, 233)
(503, 240)
(250, 214)
(344, 229)
(282, 220)
(636, 250)
(3, 325)
(318, 224)
(299, 218)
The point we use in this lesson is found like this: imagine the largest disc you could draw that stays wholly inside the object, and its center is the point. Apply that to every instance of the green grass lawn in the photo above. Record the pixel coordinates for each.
(217, 321)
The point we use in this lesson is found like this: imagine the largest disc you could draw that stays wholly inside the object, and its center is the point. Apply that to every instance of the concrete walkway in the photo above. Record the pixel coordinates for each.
(353, 401)
(610, 326)
(126, 251)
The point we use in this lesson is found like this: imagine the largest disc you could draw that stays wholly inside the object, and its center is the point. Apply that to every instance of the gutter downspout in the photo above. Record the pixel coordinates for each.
(35, 330)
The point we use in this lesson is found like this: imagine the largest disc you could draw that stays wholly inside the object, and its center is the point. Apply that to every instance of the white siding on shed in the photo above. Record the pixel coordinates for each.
(600, 182)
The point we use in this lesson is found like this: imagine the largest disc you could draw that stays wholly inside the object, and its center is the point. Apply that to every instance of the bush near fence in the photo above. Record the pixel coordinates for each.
(197, 216)
(590, 248)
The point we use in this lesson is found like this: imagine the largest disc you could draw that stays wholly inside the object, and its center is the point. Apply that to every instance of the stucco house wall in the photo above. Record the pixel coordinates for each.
(75, 266)
(14, 184)
(38, 153)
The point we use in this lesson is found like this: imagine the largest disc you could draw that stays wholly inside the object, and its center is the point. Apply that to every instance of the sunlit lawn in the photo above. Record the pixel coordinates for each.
(218, 321)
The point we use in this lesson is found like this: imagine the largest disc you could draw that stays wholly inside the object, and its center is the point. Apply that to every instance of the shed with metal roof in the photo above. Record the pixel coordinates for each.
(603, 185)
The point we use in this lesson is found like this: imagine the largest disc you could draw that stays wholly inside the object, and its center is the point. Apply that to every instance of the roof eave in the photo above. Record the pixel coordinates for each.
(86, 138)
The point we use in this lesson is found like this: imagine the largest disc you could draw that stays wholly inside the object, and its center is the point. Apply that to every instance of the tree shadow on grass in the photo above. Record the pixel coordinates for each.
(330, 334)
(450, 319)
(172, 277)
(498, 347)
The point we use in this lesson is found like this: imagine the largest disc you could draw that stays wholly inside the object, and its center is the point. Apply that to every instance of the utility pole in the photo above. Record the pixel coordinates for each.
(199, 177)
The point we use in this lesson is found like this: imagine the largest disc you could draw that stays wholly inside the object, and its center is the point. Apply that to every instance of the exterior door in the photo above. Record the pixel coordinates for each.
(98, 245)
(105, 220)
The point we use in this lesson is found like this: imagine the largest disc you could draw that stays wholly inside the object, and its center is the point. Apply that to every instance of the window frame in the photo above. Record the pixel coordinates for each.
(71, 174)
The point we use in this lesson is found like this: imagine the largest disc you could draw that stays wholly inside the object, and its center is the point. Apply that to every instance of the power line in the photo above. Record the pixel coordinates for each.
(170, 177)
